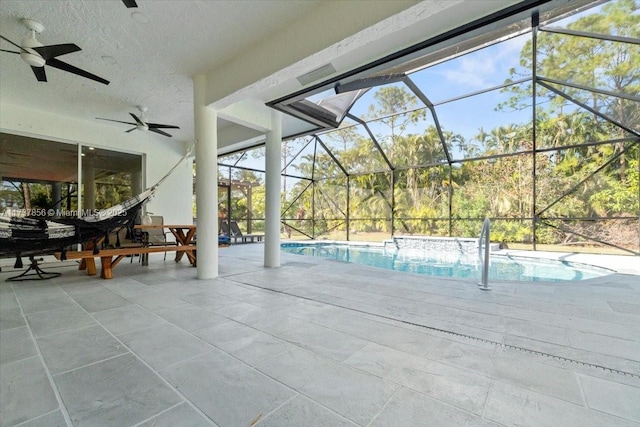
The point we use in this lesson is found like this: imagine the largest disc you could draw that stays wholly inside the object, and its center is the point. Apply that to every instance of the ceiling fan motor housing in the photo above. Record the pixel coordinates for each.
(31, 57)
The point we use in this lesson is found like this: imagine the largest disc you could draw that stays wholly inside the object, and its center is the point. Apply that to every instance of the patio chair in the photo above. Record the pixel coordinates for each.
(236, 233)
(157, 236)
(124, 237)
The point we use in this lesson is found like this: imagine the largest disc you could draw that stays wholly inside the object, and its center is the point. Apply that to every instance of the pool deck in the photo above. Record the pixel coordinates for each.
(317, 343)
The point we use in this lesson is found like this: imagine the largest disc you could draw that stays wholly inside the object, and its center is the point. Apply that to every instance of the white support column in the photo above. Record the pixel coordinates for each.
(272, 190)
(206, 134)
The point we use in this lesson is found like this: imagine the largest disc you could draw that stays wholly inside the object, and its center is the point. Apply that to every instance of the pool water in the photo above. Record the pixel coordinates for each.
(453, 265)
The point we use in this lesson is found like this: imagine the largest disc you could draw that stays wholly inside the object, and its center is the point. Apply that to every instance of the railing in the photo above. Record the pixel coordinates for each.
(484, 255)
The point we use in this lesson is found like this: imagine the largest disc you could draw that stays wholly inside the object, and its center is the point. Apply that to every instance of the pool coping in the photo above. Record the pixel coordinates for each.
(622, 264)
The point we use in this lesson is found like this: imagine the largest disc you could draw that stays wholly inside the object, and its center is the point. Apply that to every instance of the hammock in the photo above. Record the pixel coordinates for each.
(26, 236)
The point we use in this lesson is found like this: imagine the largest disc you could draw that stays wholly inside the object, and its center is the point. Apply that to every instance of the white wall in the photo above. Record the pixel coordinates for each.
(174, 196)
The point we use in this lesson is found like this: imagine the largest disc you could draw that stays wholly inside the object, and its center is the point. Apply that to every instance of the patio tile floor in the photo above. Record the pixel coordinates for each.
(315, 343)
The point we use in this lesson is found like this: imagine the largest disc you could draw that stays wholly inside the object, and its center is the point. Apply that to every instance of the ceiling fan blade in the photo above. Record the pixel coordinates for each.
(9, 51)
(138, 121)
(161, 126)
(131, 130)
(16, 45)
(117, 121)
(48, 52)
(41, 75)
(130, 3)
(159, 131)
(56, 63)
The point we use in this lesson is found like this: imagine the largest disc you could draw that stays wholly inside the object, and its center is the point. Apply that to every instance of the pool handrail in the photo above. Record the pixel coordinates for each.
(484, 257)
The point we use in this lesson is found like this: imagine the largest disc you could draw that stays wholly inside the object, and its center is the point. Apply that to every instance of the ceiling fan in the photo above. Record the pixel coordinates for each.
(37, 56)
(141, 124)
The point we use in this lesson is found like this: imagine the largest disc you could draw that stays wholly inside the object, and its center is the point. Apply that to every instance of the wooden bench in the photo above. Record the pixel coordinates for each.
(109, 258)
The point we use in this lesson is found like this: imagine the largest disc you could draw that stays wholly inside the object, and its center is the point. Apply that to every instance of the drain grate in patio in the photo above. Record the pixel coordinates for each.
(460, 335)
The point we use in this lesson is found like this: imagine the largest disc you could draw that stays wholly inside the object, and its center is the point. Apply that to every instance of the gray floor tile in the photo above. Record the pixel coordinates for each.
(151, 279)
(244, 342)
(410, 341)
(227, 287)
(321, 340)
(609, 327)
(163, 345)
(55, 321)
(191, 318)
(182, 415)
(612, 398)
(73, 349)
(349, 392)
(251, 314)
(85, 288)
(537, 331)
(265, 299)
(597, 343)
(16, 344)
(25, 391)
(473, 356)
(460, 388)
(127, 287)
(301, 411)
(300, 385)
(126, 319)
(179, 287)
(117, 392)
(52, 419)
(35, 303)
(410, 409)
(11, 318)
(510, 405)
(101, 299)
(157, 301)
(557, 382)
(8, 300)
(624, 307)
(42, 289)
(597, 359)
(226, 390)
(209, 301)
(511, 368)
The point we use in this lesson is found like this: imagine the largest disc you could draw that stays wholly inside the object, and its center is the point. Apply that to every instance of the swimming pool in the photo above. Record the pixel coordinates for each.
(449, 264)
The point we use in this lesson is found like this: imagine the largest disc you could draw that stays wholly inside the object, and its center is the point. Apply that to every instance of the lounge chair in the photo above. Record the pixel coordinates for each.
(237, 235)
(224, 228)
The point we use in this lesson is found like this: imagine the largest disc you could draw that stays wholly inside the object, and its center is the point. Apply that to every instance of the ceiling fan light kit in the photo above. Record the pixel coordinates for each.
(28, 55)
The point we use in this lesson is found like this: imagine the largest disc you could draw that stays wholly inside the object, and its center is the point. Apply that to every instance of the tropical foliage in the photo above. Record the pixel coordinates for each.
(567, 173)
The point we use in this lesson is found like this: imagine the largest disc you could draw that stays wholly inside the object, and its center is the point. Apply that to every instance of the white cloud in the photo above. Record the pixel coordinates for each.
(486, 67)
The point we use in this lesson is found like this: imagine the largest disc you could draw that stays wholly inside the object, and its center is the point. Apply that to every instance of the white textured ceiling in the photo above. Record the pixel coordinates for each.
(152, 63)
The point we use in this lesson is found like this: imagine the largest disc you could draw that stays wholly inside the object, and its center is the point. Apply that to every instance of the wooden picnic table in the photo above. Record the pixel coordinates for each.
(183, 234)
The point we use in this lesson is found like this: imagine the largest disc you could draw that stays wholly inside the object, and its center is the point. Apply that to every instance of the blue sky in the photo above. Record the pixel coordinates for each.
(469, 73)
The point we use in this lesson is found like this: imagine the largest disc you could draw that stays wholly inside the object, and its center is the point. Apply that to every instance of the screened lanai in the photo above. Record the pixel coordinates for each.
(531, 120)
